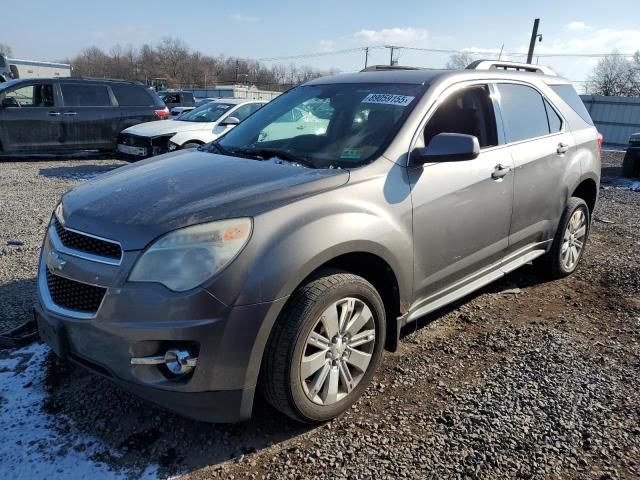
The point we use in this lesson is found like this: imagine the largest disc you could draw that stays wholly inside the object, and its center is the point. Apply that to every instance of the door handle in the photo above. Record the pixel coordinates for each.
(500, 172)
(53, 114)
(562, 148)
(301, 127)
(69, 114)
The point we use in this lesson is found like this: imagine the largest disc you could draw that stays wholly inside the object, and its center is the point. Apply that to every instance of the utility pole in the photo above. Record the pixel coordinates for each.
(391, 56)
(534, 36)
(237, 67)
(366, 57)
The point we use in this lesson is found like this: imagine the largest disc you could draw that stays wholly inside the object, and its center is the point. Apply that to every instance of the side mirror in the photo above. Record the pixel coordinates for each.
(230, 121)
(447, 147)
(10, 103)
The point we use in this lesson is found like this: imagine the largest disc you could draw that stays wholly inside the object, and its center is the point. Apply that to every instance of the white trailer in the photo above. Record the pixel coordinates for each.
(11, 68)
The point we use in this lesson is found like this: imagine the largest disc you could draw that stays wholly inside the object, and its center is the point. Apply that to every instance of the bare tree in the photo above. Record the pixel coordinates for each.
(173, 61)
(6, 49)
(614, 75)
(459, 61)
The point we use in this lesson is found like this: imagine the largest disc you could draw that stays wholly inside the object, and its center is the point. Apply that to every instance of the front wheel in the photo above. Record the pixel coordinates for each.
(325, 347)
(570, 241)
(190, 145)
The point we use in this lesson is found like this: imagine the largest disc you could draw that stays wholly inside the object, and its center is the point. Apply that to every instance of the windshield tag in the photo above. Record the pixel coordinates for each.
(353, 153)
(388, 99)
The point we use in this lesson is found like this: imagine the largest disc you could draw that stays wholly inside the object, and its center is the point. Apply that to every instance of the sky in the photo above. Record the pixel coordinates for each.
(259, 29)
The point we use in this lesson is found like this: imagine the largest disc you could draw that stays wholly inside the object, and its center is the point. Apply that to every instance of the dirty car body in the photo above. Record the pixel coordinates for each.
(353, 198)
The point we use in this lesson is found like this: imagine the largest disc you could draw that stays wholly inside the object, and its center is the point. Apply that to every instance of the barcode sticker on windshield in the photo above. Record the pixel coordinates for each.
(388, 99)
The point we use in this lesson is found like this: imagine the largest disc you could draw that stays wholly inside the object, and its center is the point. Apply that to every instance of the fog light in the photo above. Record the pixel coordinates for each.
(178, 362)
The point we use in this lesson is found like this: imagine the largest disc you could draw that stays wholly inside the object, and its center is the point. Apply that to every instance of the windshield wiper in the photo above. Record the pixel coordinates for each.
(215, 146)
(267, 153)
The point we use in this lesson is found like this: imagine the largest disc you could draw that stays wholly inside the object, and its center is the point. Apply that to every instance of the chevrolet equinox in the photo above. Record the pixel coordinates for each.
(287, 265)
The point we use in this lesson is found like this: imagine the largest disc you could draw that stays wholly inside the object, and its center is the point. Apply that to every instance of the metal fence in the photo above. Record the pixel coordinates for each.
(615, 117)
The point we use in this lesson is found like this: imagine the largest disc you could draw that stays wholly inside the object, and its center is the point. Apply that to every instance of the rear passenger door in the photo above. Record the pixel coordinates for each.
(542, 150)
(461, 210)
(89, 116)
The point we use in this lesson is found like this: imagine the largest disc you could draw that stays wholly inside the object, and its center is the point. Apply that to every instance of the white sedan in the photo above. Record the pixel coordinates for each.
(197, 127)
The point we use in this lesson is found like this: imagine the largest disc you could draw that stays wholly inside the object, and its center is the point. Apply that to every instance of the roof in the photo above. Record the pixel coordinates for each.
(18, 81)
(425, 76)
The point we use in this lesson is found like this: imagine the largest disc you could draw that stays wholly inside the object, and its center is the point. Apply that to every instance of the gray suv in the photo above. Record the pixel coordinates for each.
(284, 264)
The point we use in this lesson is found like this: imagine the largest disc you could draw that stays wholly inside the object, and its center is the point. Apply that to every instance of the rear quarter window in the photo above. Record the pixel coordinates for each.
(571, 98)
(132, 96)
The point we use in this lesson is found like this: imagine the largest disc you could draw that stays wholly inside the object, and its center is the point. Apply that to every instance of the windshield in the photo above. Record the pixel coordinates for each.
(339, 125)
(209, 112)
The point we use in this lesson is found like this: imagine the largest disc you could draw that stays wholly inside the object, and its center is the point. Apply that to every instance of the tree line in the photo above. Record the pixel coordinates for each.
(180, 67)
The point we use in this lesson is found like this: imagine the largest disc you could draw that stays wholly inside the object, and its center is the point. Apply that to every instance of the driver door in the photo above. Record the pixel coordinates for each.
(30, 120)
(461, 209)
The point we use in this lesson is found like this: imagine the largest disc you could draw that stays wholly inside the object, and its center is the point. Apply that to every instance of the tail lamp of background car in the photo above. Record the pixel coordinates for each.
(163, 113)
(186, 258)
(600, 140)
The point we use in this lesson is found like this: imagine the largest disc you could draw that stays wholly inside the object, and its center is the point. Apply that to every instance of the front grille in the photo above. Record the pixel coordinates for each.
(133, 141)
(84, 243)
(74, 295)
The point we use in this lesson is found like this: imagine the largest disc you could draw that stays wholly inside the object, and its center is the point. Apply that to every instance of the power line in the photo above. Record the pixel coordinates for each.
(443, 50)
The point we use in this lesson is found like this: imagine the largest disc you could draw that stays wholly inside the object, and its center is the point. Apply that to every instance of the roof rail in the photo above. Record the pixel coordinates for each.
(504, 65)
(383, 68)
(104, 79)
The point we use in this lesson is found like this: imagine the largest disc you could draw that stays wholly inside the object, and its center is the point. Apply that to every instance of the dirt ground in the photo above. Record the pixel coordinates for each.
(527, 378)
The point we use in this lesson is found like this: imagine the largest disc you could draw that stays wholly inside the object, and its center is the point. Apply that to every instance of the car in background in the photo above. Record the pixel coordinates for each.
(197, 127)
(631, 162)
(177, 99)
(48, 115)
(177, 111)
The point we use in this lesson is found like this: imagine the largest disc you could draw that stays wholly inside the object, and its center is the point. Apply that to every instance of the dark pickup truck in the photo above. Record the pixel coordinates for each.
(63, 114)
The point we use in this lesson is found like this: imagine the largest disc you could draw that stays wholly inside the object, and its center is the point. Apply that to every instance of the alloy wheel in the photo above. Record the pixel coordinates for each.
(338, 351)
(573, 240)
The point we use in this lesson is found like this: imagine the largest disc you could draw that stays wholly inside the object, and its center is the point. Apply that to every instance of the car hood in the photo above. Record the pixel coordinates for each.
(137, 203)
(164, 127)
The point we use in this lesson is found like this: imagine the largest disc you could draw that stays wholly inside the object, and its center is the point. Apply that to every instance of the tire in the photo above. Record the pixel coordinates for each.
(189, 145)
(554, 263)
(289, 350)
(631, 165)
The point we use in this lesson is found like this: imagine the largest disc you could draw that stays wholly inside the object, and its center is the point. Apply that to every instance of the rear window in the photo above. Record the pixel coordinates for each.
(131, 96)
(571, 98)
(79, 95)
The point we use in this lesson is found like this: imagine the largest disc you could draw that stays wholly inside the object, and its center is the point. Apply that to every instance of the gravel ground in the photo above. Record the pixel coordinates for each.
(524, 379)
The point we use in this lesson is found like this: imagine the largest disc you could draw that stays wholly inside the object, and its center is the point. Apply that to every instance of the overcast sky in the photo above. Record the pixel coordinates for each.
(252, 29)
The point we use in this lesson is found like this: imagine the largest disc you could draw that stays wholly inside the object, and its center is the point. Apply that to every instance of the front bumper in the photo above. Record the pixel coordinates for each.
(146, 319)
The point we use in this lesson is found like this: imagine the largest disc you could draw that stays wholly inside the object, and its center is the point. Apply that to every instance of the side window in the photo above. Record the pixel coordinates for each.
(555, 122)
(243, 112)
(171, 98)
(523, 112)
(468, 111)
(40, 95)
(131, 96)
(79, 95)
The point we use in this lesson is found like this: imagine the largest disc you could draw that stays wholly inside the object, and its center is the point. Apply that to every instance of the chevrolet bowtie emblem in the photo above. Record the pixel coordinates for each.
(56, 261)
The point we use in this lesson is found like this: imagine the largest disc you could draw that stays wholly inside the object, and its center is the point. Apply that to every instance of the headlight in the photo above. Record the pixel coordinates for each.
(186, 258)
(172, 146)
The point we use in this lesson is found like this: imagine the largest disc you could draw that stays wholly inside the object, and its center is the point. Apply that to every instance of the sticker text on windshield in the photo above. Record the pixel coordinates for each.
(388, 99)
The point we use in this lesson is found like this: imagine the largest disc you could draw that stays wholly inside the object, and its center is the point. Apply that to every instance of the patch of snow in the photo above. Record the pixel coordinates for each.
(30, 448)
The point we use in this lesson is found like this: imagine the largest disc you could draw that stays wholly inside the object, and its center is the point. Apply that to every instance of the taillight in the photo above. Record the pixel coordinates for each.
(600, 140)
(162, 114)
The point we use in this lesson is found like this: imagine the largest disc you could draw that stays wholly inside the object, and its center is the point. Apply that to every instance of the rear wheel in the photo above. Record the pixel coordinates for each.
(325, 347)
(570, 240)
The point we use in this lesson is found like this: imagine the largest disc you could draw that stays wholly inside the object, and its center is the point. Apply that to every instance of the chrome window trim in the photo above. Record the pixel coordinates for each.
(48, 303)
(57, 243)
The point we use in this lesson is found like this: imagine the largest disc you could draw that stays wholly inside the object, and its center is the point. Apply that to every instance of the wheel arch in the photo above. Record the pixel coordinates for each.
(587, 190)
